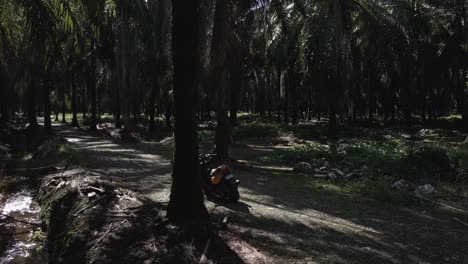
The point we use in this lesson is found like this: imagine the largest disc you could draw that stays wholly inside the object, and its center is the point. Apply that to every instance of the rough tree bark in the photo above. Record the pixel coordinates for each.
(31, 102)
(74, 122)
(92, 87)
(47, 120)
(186, 206)
(219, 75)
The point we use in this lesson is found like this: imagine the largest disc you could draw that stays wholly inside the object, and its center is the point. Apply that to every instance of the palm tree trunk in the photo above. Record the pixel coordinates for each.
(465, 99)
(332, 126)
(4, 94)
(186, 206)
(294, 99)
(278, 94)
(222, 134)
(31, 99)
(219, 75)
(47, 120)
(56, 111)
(74, 122)
(152, 107)
(83, 101)
(64, 104)
(238, 83)
(341, 56)
(92, 87)
(116, 84)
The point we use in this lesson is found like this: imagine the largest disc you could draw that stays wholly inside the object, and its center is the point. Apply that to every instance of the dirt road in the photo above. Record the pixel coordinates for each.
(280, 221)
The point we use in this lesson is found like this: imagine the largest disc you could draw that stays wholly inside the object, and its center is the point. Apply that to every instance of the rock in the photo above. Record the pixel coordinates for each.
(105, 126)
(299, 141)
(425, 189)
(167, 141)
(364, 168)
(424, 132)
(302, 167)
(345, 142)
(339, 173)
(320, 176)
(303, 174)
(332, 176)
(401, 185)
(324, 168)
(354, 175)
(326, 164)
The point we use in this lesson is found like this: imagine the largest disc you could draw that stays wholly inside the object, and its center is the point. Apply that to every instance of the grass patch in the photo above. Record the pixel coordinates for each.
(394, 158)
(259, 130)
(206, 136)
(387, 162)
(73, 156)
(380, 191)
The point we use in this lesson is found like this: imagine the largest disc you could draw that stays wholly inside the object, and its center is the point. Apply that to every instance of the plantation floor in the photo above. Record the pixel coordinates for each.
(279, 221)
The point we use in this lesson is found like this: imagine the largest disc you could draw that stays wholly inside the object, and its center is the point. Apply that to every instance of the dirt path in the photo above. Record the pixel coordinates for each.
(278, 221)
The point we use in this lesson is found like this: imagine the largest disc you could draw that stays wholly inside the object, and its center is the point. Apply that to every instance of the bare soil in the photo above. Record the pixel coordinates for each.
(278, 221)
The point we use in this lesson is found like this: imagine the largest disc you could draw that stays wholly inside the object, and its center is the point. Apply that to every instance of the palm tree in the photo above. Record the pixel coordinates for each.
(186, 206)
(219, 73)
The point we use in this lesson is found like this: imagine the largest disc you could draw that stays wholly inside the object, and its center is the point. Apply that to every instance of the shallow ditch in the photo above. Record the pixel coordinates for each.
(21, 238)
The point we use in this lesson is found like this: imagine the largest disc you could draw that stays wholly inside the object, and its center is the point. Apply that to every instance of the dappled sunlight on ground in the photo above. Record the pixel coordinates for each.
(147, 173)
(278, 221)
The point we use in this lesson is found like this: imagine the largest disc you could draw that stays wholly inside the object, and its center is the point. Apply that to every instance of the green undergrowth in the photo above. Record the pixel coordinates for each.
(73, 156)
(443, 166)
(260, 129)
(406, 160)
(371, 188)
(108, 118)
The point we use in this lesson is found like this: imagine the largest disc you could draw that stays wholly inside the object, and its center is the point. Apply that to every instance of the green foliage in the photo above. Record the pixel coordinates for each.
(307, 152)
(259, 130)
(394, 158)
(430, 159)
(206, 136)
(37, 235)
(73, 156)
(306, 131)
(380, 191)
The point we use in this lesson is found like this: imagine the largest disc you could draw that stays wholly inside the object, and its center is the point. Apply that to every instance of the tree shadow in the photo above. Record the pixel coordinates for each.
(290, 220)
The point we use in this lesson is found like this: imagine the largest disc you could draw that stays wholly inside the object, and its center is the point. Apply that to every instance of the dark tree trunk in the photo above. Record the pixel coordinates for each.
(465, 100)
(4, 94)
(152, 107)
(168, 111)
(219, 76)
(339, 13)
(332, 127)
(286, 105)
(222, 135)
(31, 99)
(278, 92)
(186, 206)
(237, 73)
(371, 86)
(56, 111)
(74, 122)
(64, 104)
(83, 101)
(47, 120)
(116, 101)
(294, 100)
(99, 104)
(92, 88)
